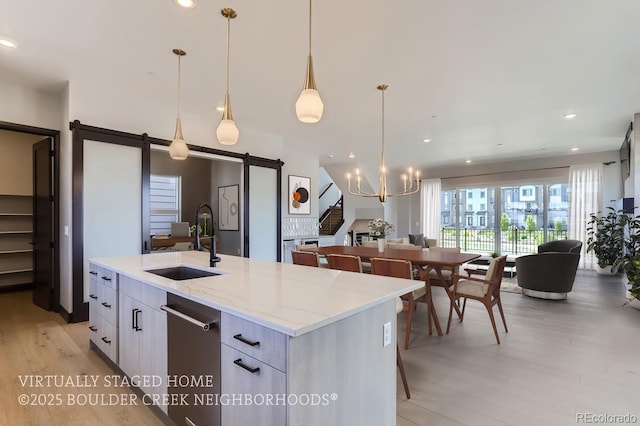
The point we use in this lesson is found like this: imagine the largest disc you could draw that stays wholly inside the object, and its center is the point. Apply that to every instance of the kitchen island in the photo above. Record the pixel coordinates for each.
(322, 350)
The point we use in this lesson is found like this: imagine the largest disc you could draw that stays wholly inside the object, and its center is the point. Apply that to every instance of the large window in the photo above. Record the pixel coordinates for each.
(164, 193)
(510, 219)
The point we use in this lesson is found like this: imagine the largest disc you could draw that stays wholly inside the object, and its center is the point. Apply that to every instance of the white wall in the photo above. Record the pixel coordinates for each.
(299, 163)
(23, 105)
(333, 193)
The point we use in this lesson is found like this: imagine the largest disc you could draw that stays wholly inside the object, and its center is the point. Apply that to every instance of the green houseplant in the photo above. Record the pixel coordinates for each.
(605, 239)
(630, 258)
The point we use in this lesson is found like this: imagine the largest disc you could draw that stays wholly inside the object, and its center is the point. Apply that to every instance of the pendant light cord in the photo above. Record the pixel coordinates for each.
(310, 27)
(382, 129)
(228, 37)
(179, 88)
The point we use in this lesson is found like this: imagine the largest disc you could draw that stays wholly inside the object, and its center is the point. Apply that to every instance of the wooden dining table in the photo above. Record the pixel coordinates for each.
(434, 259)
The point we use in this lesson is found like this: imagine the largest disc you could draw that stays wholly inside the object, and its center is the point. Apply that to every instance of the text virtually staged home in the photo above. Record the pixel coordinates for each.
(319, 213)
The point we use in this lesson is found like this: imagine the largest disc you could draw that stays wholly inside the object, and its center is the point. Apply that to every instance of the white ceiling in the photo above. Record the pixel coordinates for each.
(469, 74)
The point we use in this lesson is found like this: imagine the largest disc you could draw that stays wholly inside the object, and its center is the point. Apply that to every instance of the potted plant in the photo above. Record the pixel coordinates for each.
(630, 259)
(605, 239)
(380, 228)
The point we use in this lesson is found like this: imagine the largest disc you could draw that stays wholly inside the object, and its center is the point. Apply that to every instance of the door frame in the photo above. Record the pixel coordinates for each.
(55, 135)
(80, 132)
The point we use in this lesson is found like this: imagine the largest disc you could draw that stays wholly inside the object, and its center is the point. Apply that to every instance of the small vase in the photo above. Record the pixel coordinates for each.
(381, 242)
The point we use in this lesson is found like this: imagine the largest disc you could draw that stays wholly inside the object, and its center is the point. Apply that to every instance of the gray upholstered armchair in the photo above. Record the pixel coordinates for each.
(550, 273)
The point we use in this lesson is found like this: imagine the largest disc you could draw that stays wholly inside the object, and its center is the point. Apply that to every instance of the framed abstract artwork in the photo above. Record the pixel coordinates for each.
(299, 195)
(228, 208)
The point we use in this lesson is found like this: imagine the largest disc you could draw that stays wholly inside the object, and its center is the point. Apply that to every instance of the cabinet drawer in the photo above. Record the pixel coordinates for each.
(107, 277)
(108, 304)
(259, 342)
(241, 375)
(108, 339)
(145, 293)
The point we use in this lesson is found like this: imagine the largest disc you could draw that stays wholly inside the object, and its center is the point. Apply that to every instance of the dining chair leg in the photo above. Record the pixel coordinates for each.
(450, 314)
(502, 314)
(455, 306)
(464, 306)
(493, 321)
(402, 373)
(408, 328)
(429, 303)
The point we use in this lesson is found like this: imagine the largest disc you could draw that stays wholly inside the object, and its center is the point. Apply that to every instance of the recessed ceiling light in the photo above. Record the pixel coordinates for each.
(575, 148)
(220, 108)
(500, 144)
(468, 161)
(8, 43)
(570, 115)
(186, 3)
(427, 140)
(330, 155)
(352, 155)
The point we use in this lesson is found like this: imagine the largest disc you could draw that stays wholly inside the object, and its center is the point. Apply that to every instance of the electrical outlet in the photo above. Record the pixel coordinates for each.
(386, 334)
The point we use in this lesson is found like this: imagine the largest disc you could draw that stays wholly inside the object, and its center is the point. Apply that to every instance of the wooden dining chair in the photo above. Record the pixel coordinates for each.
(485, 290)
(306, 258)
(301, 247)
(400, 269)
(344, 262)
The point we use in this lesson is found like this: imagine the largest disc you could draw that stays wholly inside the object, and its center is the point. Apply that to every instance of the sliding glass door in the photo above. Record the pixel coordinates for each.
(507, 219)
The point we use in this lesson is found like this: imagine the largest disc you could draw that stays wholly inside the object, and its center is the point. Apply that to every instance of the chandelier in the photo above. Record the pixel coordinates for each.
(382, 194)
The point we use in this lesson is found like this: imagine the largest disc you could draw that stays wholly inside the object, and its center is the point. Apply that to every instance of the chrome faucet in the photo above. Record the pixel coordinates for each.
(213, 259)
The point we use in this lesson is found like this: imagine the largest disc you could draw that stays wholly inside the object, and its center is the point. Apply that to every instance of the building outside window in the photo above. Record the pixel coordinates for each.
(521, 218)
(165, 196)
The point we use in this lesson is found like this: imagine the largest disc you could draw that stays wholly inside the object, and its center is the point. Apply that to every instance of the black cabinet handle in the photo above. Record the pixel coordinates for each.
(93, 296)
(106, 305)
(106, 278)
(92, 328)
(107, 341)
(93, 272)
(134, 319)
(243, 340)
(239, 363)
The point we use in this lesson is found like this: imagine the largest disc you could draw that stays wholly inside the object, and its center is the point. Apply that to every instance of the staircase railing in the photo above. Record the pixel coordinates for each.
(326, 189)
(329, 222)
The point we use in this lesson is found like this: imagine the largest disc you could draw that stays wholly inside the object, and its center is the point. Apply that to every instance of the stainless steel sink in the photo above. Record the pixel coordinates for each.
(180, 273)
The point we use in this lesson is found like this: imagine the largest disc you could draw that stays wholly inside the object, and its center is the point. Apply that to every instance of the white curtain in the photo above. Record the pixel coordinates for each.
(585, 197)
(430, 208)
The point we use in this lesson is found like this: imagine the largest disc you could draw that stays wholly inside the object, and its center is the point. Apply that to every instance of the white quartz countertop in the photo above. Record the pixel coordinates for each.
(288, 298)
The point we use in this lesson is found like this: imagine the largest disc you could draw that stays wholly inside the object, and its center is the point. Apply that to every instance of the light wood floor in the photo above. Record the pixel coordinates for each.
(558, 359)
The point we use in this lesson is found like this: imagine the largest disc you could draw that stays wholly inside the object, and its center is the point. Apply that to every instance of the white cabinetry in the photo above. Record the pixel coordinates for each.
(321, 375)
(103, 310)
(143, 336)
(253, 362)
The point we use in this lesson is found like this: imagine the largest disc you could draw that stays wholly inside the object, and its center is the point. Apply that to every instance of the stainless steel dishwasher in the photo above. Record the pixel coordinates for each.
(193, 362)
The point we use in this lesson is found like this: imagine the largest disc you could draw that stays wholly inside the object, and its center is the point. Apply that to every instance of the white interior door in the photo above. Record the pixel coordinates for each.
(112, 202)
(263, 220)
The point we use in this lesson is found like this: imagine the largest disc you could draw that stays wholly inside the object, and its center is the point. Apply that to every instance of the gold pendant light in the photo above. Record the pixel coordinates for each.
(178, 150)
(382, 190)
(227, 131)
(309, 105)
